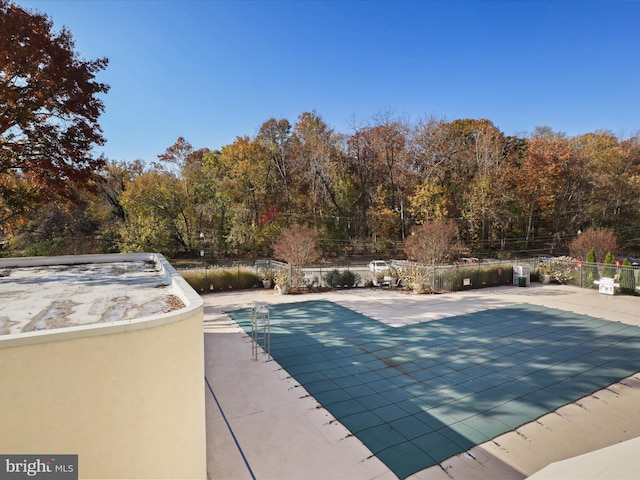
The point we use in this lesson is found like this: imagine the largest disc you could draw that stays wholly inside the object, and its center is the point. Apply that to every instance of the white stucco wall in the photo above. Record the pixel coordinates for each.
(127, 397)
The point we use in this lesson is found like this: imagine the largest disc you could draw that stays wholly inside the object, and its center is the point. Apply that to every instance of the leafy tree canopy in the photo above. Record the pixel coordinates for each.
(49, 109)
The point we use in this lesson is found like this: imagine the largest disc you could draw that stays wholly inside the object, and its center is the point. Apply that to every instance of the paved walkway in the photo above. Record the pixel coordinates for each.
(261, 423)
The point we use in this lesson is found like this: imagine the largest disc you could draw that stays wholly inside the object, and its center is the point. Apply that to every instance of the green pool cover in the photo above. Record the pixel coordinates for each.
(419, 394)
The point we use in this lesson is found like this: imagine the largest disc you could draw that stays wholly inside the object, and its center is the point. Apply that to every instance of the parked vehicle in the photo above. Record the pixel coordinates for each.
(634, 261)
(467, 260)
(378, 266)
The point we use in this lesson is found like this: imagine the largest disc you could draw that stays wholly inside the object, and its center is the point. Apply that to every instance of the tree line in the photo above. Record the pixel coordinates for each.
(364, 191)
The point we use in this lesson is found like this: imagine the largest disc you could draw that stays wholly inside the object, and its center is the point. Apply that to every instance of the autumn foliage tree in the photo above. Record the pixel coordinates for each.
(541, 177)
(298, 245)
(49, 110)
(431, 243)
(600, 240)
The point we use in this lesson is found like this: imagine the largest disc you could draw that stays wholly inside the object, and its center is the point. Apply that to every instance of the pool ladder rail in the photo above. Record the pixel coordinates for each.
(260, 330)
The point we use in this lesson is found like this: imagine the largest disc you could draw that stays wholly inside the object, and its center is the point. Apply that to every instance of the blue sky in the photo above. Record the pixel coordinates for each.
(213, 70)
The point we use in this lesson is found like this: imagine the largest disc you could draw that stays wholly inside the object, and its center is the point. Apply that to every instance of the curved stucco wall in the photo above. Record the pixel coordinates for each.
(127, 397)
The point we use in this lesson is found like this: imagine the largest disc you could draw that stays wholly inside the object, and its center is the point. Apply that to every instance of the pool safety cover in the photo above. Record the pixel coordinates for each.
(419, 394)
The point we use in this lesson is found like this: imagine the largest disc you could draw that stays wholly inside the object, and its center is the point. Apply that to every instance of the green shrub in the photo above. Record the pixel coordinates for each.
(349, 278)
(609, 270)
(591, 272)
(345, 279)
(627, 278)
(332, 278)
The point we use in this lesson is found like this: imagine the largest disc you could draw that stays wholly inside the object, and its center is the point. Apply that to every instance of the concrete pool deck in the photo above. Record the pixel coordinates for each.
(261, 423)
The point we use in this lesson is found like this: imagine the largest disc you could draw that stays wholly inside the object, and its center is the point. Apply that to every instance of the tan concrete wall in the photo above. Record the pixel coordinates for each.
(128, 399)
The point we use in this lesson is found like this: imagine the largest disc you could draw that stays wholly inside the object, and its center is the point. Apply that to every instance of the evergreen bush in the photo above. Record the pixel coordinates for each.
(591, 271)
(335, 279)
(332, 278)
(349, 278)
(627, 278)
(609, 270)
